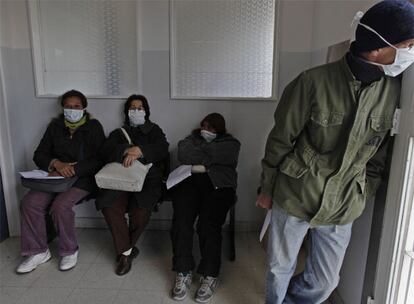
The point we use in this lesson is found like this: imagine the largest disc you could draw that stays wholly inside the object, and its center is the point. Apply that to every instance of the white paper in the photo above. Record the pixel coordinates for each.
(396, 122)
(178, 175)
(38, 174)
(265, 224)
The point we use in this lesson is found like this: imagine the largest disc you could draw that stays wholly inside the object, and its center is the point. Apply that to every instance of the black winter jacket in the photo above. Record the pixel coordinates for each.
(154, 146)
(81, 147)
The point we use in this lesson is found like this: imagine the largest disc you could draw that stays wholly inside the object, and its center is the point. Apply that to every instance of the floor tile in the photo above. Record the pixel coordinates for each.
(53, 277)
(92, 296)
(10, 295)
(9, 277)
(45, 295)
(139, 297)
(101, 276)
(146, 277)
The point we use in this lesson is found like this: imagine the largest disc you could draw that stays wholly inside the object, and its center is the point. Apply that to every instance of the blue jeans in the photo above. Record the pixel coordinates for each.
(327, 246)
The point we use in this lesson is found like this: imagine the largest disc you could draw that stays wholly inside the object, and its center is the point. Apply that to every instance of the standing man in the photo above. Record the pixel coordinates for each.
(326, 153)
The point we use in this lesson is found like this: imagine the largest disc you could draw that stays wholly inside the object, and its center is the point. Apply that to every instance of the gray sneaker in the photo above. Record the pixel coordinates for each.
(182, 284)
(206, 290)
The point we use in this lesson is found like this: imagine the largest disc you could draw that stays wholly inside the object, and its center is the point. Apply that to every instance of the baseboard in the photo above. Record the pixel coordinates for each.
(335, 298)
(163, 225)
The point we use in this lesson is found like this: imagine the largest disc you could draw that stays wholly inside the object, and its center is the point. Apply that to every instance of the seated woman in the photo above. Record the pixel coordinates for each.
(149, 146)
(68, 148)
(207, 194)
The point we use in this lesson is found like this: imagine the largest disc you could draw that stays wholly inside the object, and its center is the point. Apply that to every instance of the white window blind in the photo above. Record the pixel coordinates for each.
(223, 48)
(86, 45)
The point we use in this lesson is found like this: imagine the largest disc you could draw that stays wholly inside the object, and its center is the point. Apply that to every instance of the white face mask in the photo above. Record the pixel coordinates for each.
(136, 117)
(403, 57)
(73, 115)
(207, 135)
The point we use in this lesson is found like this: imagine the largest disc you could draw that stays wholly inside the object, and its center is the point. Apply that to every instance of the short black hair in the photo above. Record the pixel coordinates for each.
(216, 121)
(128, 102)
(74, 93)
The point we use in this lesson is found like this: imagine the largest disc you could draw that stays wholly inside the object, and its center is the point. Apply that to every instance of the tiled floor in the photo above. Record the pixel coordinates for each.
(93, 280)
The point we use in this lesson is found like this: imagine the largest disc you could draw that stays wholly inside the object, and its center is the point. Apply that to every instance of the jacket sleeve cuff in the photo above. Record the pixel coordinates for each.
(50, 168)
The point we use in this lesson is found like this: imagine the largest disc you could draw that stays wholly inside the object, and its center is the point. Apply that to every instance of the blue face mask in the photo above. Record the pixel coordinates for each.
(207, 135)
(136, 117)
(73, 115)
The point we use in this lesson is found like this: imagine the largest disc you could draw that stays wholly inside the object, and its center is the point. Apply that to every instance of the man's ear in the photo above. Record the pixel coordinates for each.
(372, 55)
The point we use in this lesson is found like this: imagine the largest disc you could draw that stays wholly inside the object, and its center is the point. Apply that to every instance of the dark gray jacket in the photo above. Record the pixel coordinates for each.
(219, 157)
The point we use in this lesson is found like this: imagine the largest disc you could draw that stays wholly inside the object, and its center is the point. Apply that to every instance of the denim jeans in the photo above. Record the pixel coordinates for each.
(327, 246)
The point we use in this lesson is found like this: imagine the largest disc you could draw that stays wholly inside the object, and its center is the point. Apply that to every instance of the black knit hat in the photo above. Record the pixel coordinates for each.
(392, 19)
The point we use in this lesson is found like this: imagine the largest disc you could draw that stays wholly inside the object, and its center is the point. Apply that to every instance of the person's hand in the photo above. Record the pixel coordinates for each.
(128, 160)
(264, 201)
(54, 173)
(64, 169)
(134, 151)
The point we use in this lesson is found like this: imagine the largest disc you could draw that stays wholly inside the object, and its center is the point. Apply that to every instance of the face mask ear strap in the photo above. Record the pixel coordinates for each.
(356, 19)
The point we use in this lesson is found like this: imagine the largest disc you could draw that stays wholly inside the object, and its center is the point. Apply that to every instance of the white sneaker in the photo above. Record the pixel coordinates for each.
(69, 261)
(31, 262)
(206, 290)
(182, 284)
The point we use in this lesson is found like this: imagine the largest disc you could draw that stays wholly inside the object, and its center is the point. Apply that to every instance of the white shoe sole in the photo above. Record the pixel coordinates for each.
(203, 301)
(66, 269)
(46, 259)
(179, 299)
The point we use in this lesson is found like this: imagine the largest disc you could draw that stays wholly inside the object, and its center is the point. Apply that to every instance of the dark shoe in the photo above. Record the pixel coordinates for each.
(124, 265)
(125, 262)
(133, 255)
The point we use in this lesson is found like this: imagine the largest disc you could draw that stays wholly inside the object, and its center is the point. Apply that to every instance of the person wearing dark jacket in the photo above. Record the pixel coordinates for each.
(68, 148)
(207, 194)
(149, 146)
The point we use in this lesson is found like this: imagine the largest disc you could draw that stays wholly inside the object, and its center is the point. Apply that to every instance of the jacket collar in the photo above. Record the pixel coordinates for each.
(59, 121)
(362, 71)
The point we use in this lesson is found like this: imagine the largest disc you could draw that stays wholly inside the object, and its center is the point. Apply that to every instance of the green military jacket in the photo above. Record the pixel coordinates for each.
(325, 155)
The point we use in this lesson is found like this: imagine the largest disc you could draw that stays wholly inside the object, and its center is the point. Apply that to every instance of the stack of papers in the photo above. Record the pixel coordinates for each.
(38, 174)
(178, 175)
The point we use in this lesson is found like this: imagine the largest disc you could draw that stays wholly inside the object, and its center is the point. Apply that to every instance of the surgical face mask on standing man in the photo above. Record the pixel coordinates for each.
(404, 57)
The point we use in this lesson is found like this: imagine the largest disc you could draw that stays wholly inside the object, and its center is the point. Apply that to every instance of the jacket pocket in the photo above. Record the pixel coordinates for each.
(324, 130)
(291, 167)
(381, 124)
(327, 119)
(360, 179)
(378, 128)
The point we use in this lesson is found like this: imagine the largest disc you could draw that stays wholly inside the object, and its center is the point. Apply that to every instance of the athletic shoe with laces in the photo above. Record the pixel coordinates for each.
(182, 284)
(31, 262)
(206, 290)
